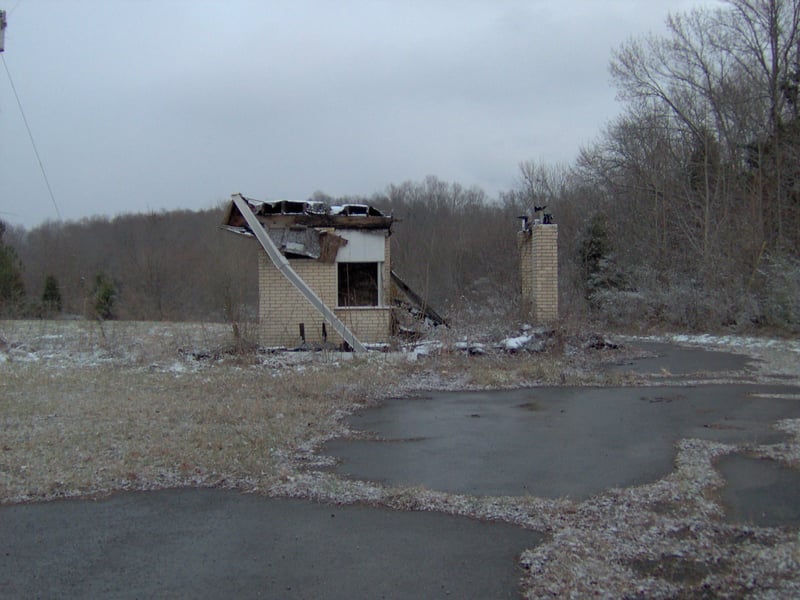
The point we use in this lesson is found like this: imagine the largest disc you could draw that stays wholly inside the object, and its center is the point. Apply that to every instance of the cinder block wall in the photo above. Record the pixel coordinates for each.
(525, 245)
(370, 325)
(282, 307)
(538, 249)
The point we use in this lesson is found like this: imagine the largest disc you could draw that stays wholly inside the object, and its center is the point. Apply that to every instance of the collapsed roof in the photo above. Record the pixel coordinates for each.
(302, 229)
(307, 213)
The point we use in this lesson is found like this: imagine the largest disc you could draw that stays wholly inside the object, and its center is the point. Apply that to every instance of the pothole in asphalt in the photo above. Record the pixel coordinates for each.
(760, 491)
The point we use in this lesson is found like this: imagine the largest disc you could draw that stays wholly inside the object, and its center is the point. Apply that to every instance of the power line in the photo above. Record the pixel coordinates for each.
(30, 135)
(15, 7)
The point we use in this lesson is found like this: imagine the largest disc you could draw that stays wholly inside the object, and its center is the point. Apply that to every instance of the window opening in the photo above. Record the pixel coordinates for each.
(359, 284)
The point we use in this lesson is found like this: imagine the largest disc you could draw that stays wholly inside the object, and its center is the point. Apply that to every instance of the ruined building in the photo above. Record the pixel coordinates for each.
(325, 277)
(326, 274)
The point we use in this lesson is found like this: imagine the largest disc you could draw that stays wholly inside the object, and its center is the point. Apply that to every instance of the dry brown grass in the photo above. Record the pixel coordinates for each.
(82, 430)
(77, 417)
(87, 407)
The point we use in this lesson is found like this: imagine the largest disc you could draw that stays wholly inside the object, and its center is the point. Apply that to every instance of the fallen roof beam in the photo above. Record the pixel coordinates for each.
(415, 298)
(282, 264)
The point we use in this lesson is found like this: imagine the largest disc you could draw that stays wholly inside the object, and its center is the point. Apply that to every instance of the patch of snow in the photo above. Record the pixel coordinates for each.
(25, 356)
(423, 349)
(726, 341)
(177, 367)
(378, 347)
(516, 343)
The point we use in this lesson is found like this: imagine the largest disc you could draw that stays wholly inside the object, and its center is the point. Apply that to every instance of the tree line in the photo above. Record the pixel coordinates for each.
(684, 212)
(157, 266)
(450, 243)
(696, 186)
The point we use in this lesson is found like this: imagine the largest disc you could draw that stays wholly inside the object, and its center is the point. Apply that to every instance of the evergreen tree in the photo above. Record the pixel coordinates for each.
(595, 255)
(51, 297)
(105, 293)
(12, 288)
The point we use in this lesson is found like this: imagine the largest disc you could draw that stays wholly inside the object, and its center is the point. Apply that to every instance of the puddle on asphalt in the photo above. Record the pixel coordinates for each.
(551, 442)
(760, 491)
(681, 361)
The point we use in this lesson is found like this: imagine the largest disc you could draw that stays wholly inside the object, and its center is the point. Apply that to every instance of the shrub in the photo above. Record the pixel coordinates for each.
(51, 296)
(105, 293)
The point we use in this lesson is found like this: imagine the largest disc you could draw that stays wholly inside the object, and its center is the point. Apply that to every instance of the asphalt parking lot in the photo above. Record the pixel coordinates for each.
(551, 442)
(224, 544)
(543, 442)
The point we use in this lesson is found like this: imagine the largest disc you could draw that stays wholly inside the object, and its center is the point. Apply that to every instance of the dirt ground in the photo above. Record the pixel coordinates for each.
(88, 408)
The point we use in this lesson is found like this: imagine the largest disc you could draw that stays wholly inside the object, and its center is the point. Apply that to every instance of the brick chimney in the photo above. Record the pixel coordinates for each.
(538, 248)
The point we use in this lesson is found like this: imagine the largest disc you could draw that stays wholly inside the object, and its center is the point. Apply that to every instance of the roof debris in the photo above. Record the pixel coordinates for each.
(309, 213)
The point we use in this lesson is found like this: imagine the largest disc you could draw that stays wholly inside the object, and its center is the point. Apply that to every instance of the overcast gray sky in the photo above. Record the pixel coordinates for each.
(140, 105)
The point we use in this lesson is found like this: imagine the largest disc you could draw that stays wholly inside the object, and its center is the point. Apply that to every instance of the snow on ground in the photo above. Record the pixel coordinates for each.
(734, 341)
(775, 359)
(516, 343)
